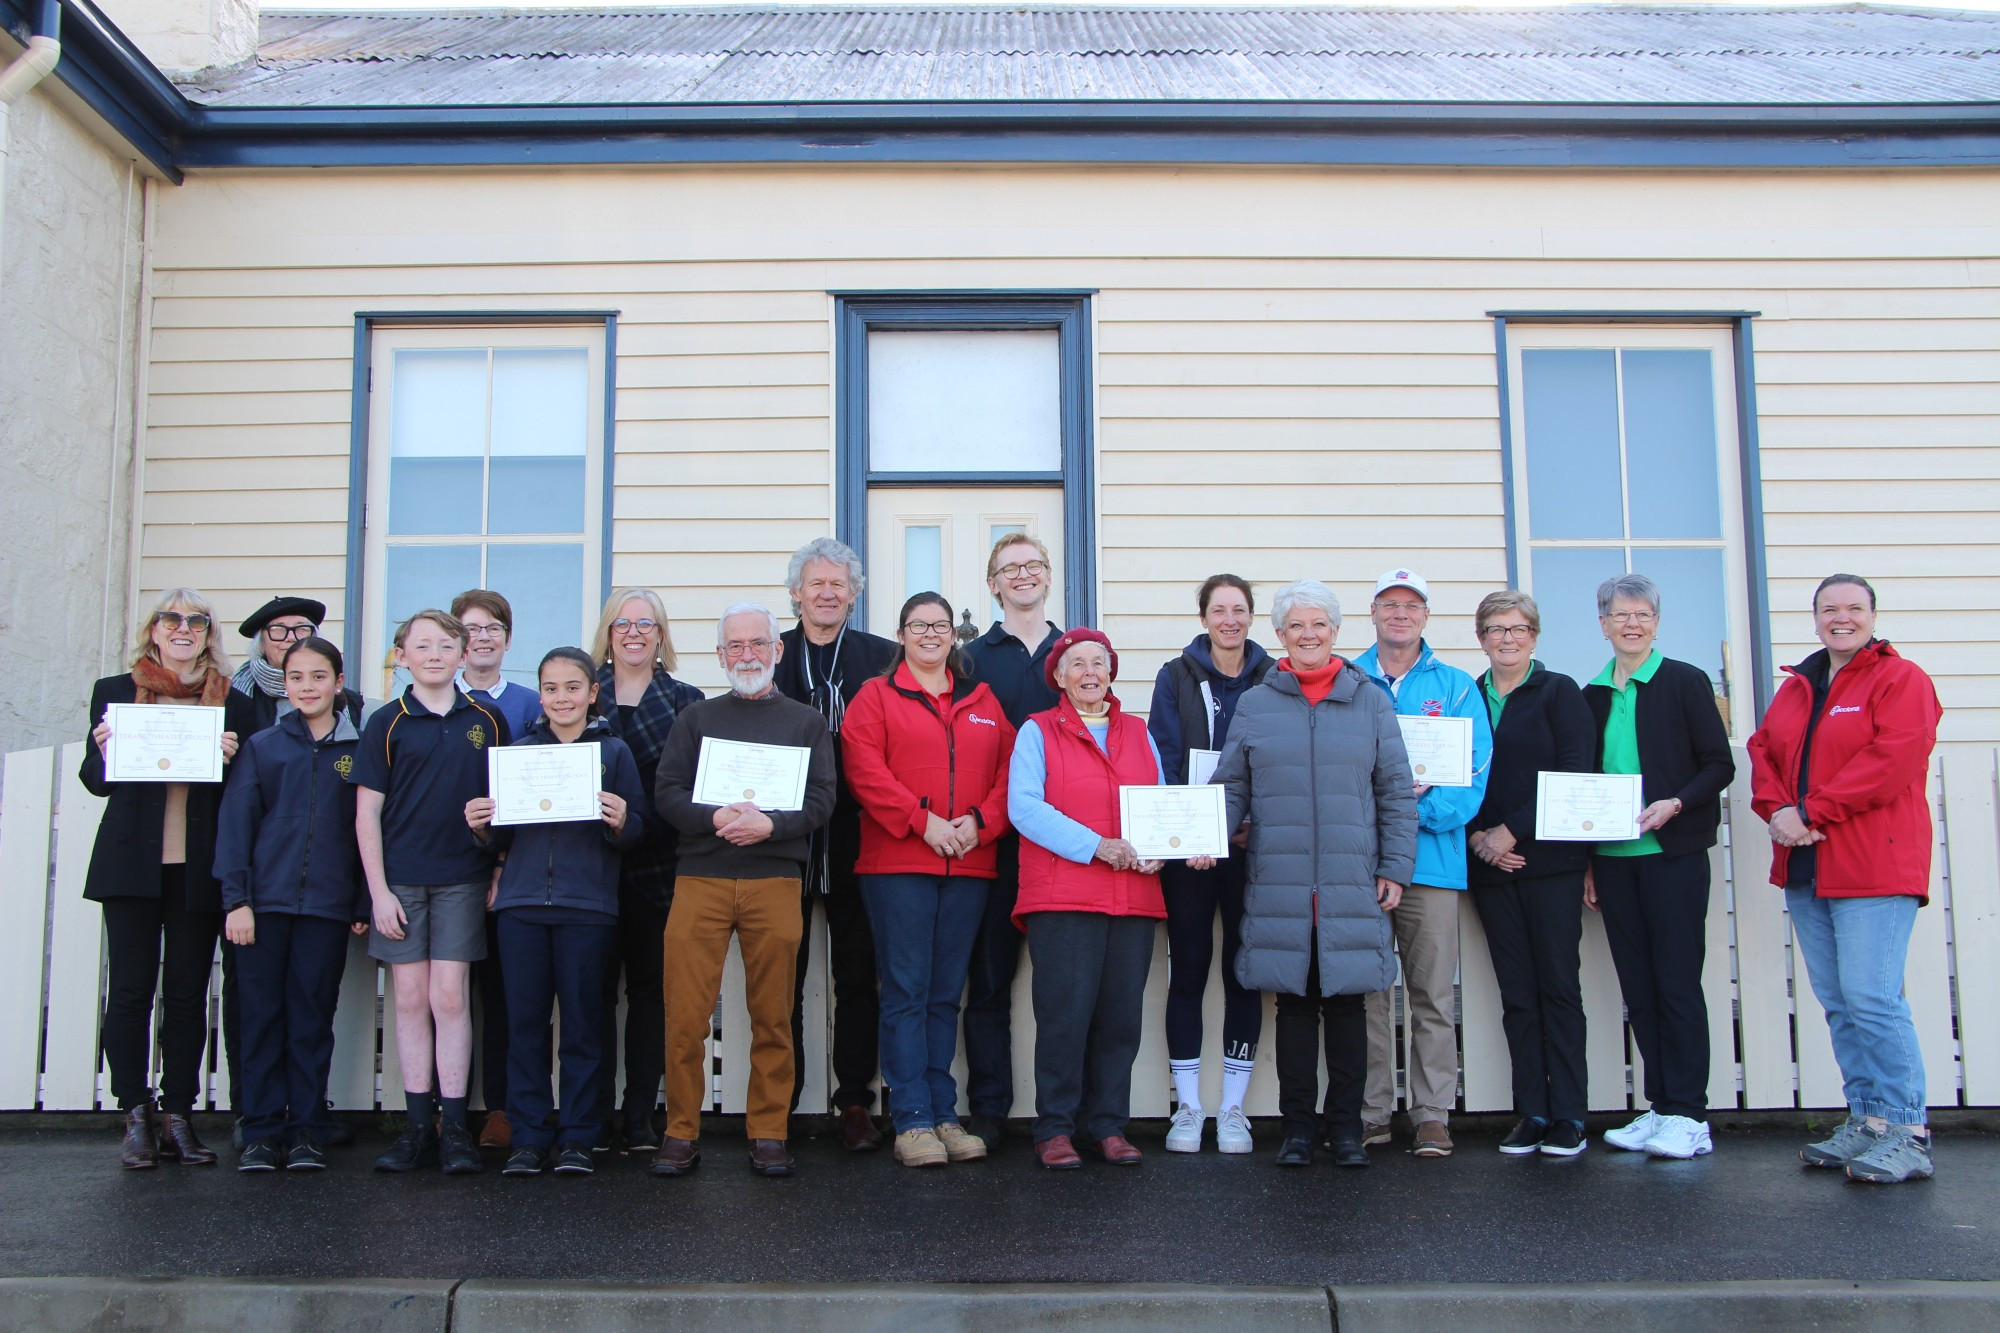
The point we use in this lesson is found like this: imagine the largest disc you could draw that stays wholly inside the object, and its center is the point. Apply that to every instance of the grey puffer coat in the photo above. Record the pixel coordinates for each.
(1326, 787)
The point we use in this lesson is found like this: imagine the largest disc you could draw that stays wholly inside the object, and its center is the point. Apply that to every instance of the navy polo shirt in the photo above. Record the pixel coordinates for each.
(517, 703)
(427, 766)
(1015, 676)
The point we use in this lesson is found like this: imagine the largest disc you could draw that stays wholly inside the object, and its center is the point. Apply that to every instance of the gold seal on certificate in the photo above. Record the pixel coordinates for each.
(1440, 749)
(545, 784)
(1587, 807)
(771, 776)
(1174, 823)
(163, 743)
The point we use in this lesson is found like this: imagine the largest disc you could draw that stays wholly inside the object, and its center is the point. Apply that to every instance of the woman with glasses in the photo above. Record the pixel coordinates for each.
(153, 870)
(1657, 717)
(640, 700)
(1529, 894)
(272, 630)
(925, 751)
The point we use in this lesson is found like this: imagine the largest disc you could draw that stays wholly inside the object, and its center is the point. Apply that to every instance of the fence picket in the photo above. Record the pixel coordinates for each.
(26, 811)
(1488, 1080)
(1604, 1020)
(1972, 826)
(1763, 937)
(1718, 987)
(76, 951)
(350, 1085)
(1927, 975)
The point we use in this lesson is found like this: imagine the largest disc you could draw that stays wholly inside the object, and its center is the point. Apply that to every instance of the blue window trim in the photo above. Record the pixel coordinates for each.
(366, 322)
(1067, 312)
(1749, 466)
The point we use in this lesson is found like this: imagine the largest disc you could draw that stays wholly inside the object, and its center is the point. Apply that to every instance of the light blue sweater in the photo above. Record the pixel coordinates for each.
(1028, 778)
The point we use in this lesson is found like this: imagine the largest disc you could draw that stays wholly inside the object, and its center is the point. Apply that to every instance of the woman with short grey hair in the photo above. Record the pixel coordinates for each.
(1657, 717)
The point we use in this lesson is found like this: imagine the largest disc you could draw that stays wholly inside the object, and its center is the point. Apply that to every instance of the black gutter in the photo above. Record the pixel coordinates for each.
(102, 67)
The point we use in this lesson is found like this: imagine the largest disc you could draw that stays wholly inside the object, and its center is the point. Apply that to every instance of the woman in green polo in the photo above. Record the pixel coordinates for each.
(1657, 717)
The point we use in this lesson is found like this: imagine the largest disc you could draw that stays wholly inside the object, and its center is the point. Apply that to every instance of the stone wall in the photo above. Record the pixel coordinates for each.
(69, 285)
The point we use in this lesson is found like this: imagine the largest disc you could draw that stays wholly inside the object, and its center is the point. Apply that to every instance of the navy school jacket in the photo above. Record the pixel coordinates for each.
(285, 836)
(573, 864)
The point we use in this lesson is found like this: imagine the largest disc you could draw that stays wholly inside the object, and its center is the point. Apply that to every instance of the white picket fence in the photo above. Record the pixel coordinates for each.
(1760, 1009)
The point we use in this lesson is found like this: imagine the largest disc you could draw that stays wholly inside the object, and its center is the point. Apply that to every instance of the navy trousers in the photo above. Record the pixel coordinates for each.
(287, 983)
(549, 963)
(1090, 991)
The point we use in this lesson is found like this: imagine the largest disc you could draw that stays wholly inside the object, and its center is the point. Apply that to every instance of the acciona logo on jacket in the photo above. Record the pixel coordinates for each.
(1843, 708)
(982, 721)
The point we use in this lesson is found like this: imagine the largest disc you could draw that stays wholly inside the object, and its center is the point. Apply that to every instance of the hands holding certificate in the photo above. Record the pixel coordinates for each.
(163, 743)
(544, 784)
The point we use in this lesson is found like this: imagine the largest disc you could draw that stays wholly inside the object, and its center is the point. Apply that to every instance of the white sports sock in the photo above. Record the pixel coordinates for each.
(1187, 1082)
(1236, 1082)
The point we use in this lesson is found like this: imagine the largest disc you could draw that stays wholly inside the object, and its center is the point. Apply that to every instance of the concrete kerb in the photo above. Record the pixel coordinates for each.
(230, 1305)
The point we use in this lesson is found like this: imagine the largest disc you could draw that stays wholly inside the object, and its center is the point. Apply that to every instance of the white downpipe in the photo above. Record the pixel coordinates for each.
(28, 69)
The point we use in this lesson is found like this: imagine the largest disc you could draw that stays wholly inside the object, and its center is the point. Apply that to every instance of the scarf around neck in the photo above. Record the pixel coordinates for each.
(154, 682)
(257, 675)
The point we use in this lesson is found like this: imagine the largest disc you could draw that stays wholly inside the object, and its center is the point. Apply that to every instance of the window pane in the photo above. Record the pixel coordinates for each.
(541, 404)
(544, 584)
(437, 440)
(1694, 604)
(1670, 443)
(923, 560)
(1570, 409)
(535, 495)
(420, 578)
(1565, 587)
(964, 401)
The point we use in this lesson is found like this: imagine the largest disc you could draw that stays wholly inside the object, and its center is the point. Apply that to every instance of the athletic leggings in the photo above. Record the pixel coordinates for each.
(1193, 896)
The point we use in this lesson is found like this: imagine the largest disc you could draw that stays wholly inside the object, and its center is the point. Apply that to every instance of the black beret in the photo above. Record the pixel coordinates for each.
(283, 606)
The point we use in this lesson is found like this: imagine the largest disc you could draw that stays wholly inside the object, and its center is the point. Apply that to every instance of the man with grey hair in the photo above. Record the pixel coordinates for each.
(740, 867)
(824, 661)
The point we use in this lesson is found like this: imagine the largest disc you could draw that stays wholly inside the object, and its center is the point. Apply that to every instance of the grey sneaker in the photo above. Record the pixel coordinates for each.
(1896, 1156)
(1841, 1147)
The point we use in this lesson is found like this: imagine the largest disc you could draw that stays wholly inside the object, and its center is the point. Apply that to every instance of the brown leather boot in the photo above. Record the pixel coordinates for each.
(141, 1149)
(179, 1141)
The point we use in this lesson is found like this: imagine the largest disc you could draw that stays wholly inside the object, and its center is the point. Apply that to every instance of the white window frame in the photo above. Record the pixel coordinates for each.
(384, 342)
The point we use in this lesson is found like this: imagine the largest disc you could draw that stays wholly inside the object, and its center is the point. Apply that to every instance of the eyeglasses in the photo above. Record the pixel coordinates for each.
(194, 620)
(1508, 632)
(286, 633)
(1631, 617)
(927, 627)
(485, 631)
(1411, 607)
(746, 647)
(643, 626)
(1034, 568)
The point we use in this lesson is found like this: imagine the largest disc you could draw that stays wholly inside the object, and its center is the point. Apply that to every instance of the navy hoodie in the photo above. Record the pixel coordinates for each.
(574, 864)
(285, 834)
(1164, 718)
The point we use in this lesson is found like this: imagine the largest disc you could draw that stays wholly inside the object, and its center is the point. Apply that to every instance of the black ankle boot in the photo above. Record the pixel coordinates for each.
(141, 1149)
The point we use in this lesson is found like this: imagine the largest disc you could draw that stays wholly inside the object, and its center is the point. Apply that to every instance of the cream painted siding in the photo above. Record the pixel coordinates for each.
(1295, 372)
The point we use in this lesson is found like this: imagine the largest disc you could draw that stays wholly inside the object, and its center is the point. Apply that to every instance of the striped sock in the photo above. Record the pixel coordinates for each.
(1187, 1082)
(1236, 1081)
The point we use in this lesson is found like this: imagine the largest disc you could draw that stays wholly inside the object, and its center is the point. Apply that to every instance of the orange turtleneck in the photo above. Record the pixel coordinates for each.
(1316, 684)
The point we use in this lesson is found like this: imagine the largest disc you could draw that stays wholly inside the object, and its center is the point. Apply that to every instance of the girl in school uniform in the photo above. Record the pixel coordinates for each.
(291, 882)
(555, 894)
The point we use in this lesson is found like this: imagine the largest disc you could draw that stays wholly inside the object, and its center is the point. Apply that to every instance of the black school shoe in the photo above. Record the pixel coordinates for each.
(1348, 1150)
(527, 1160)
(262, 1155)
(306, 1155)
(1296, 1150)
(458, 1151)
(1525, 1137)
(573, 1159)
(1565, 1139)
(640, 1136)
(416, 1146)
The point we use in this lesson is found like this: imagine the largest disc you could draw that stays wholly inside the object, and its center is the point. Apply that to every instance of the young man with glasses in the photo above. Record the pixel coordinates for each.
(823, 663)
(1426, 920)
(1010, 659)
(274, 627)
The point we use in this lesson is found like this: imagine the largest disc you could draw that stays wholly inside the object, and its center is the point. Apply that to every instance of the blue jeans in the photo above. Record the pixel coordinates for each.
(1854, 950)
(923, 926)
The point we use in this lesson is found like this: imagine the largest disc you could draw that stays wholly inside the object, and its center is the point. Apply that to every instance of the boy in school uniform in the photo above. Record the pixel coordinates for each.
(421, 759)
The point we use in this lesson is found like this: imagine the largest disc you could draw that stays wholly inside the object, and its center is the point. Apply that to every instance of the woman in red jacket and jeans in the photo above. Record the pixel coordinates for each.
(925, 751)
(1838, 773)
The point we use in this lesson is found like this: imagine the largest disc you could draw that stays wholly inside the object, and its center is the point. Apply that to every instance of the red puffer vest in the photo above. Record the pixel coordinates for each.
(1083, 783)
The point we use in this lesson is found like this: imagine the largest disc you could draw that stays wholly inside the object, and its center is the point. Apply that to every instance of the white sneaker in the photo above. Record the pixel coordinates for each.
(1679, 1136)
(1184, 1135)
(1232, 1131)
(1632, 1137)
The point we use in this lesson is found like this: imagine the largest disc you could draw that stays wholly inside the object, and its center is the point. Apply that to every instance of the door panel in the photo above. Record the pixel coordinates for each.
(937, 539)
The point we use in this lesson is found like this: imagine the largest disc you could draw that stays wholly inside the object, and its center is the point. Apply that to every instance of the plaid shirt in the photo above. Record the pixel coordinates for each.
(649, 865)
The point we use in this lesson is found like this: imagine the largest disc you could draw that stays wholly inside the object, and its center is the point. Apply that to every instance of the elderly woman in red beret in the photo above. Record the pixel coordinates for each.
(1087, 902)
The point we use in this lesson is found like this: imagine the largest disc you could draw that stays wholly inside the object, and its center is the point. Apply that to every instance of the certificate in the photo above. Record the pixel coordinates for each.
(545, 784)
(773, 776)
(1440, 749)
(1174, 823)
(1201, 766)
(163, 743)
(1587, 807)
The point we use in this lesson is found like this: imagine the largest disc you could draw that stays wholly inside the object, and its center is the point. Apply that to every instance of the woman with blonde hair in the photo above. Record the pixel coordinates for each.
(639, 699)
(152, 870)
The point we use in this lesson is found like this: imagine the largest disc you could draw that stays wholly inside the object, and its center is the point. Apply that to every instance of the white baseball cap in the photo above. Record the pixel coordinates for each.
(1404, 578)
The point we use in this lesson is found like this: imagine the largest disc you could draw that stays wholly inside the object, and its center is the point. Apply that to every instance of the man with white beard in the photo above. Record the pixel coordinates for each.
(740, 869)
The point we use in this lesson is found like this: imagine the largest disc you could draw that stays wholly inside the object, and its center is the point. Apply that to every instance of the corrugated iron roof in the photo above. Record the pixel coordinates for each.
(1847, 55)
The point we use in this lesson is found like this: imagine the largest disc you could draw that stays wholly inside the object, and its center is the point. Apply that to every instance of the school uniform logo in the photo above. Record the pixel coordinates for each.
(345, 767)
(1433, 707)
(477, 736)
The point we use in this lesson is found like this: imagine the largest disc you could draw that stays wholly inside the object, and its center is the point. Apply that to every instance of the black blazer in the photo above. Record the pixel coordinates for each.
(1546, 726)
(1683, 750)
(125, 862)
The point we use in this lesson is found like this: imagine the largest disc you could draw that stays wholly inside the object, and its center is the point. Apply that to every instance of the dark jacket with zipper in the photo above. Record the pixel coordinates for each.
(286, 839)
(264, 708)
(1545, 727)
(1683, 750)
(125, 860)
(1181, 720)
(573, 864)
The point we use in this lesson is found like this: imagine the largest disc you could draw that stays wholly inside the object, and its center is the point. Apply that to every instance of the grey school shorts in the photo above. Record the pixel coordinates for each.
(447, 924)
